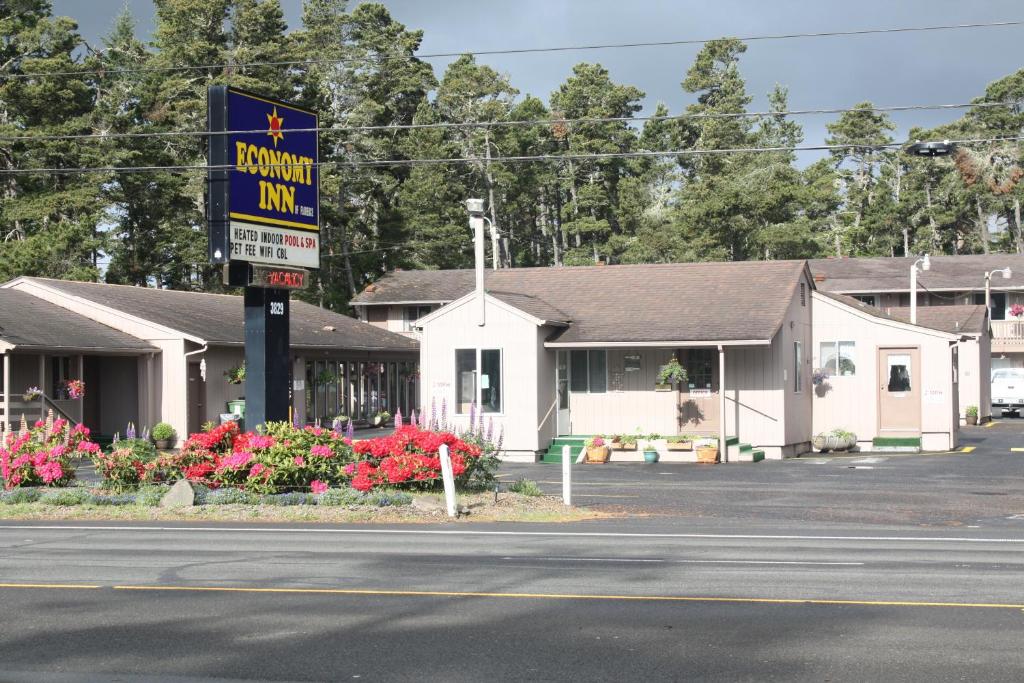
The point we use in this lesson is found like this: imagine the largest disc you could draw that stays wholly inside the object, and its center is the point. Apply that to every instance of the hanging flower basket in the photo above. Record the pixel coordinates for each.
(75, 389)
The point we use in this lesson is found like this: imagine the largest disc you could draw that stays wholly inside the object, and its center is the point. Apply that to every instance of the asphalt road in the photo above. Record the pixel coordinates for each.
(581, 602)
(904, 568)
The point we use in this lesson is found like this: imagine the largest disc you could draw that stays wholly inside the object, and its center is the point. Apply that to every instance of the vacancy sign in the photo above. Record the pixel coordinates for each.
(264, 181)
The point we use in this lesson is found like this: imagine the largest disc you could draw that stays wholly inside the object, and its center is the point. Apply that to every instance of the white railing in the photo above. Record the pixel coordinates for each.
(1008, 330)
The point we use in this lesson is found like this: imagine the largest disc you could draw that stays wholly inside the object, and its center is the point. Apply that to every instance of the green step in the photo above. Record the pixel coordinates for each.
(745, 448)
(758, 456)
(731, 441)
(897, 441)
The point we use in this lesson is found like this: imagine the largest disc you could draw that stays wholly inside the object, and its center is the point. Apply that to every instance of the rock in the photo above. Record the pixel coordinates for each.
(181, 495)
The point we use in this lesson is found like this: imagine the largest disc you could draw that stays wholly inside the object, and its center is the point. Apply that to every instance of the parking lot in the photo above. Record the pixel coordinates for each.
(981, 484)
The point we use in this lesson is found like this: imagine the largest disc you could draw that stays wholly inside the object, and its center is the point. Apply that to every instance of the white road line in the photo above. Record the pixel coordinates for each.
(618, 559)
(562, 534)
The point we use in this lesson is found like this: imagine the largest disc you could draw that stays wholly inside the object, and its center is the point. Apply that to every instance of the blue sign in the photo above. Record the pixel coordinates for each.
(272, 184)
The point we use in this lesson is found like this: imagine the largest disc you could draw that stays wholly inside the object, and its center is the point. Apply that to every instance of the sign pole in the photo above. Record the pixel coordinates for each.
(266, 345)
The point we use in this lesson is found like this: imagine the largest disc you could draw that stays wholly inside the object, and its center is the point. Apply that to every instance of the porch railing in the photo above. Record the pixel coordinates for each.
(33, 410)
(1008, 330)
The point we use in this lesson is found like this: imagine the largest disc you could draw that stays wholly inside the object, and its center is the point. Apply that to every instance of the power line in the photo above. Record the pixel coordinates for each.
(375, 163)
(510, 123)
(510, 51)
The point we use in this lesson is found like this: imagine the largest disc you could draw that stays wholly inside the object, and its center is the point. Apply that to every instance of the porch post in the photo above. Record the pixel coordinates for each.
(721, 405)
(7, 391)
(42, 385)
(81, 376)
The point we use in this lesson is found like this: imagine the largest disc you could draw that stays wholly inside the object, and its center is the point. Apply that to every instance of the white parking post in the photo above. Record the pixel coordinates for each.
(449, 479)
(566, 475)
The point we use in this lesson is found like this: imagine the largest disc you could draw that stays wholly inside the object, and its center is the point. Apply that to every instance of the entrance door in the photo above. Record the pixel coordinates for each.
(562, 388)
(899, 391)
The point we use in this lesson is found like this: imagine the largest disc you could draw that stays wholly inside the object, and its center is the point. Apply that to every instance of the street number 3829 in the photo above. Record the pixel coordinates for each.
(276, 308)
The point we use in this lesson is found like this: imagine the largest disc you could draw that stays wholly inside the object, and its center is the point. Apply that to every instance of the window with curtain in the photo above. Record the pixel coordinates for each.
(838, 358)
(588, 371)
(486, 393)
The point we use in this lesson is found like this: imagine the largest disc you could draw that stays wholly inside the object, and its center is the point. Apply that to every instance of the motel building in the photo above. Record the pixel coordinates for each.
(150, 355)
(554, 355)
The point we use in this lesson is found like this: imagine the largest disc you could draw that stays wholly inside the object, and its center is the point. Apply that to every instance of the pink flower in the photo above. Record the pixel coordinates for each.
(38, 424)
(88, 447)
(50, 471)
(317, 486)
(299, 460)
(256, 470)
(320, 450)
(259, 441)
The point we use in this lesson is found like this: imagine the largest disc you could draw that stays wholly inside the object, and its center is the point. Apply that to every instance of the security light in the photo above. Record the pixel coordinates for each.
(926, 263)
(931, 149)
(1006, 273)
(475, 207)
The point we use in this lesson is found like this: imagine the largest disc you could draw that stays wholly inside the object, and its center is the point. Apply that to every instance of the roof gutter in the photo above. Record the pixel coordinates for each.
(657, 344)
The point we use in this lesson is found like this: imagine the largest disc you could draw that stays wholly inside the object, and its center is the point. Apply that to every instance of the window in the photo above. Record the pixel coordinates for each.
(803, 294)
(60, 373)
(899, 372)
(588, 372)
(868, 299)
(837, 357)
(468, 391)
(798, 362)
(699, 366)
(411, 315)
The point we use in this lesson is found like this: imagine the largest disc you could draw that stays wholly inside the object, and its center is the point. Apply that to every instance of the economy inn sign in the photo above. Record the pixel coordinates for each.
(263, 204)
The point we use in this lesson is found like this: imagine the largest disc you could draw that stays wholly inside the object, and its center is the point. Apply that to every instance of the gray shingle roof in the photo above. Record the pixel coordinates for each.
(219, 318)
(967, 272)
(30, 323)
(960, 319)
(710, 302)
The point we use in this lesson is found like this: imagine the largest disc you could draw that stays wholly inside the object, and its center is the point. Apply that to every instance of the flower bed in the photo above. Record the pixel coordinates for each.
(41, 456)
(287, 458)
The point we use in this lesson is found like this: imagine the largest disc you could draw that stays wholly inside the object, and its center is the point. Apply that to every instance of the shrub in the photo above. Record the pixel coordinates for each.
(526, 487)
(339, 497)
(293, 498)
(119, 499)
(20, 495)
(972, 411)
(388, 498)
(69, 496)
(231, 497)
(41, 456)
(162, 432)
(124, 467)
(151, 495)
(410, 457)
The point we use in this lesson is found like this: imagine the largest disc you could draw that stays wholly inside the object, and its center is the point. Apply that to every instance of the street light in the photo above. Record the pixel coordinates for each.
(1006, 272)
(931, 149)
(926, 264)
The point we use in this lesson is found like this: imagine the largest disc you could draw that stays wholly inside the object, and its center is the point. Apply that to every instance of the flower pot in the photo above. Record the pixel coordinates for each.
(818, 442)
(663, 387)
(707, 454)
(680, 445)
(972, 419)
(619, 446)
(650, 456)
(162, 444)
(598, 454)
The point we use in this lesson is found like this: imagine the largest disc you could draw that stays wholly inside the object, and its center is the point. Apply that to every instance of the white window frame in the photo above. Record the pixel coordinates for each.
(476, 378)
(588, 352)
(798, 371)
(836, 349)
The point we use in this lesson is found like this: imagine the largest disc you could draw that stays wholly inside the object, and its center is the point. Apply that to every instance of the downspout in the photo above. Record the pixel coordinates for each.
(202, 371)
(723, 446)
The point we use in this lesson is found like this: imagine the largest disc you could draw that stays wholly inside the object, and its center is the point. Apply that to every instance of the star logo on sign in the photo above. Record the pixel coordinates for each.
(275, 126)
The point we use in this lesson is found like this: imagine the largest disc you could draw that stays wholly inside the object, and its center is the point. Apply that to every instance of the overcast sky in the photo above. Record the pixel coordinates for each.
(895, 69)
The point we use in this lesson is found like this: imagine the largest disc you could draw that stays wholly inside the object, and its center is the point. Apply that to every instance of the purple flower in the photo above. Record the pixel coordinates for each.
(130, 432)
(490, 430)
(350, 431)
(472, 415)
(433, 413)
(412, 418)
(398, 418)
(444, 413)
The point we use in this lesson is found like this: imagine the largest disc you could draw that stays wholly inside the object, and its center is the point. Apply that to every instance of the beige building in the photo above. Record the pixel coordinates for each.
(149, 355)
(554, 354)
(947, 297)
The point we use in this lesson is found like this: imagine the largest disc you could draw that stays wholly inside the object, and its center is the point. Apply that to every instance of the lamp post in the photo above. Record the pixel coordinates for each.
(926, 264)
(1006, 273)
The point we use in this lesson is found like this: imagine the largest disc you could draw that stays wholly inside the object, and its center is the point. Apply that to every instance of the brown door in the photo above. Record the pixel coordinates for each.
(899, 391)
(196, 399)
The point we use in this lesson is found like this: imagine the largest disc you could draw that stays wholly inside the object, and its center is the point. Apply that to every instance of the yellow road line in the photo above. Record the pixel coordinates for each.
(577, 596)
(63, 586)
(990, 424)
(1017, 450)
(968, 449)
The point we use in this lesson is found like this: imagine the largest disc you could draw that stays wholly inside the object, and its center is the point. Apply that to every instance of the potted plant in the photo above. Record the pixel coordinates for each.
(972, 415)
(32, 394)
(707, 451)
(650, 452)
(837, 440)
(325, 377)
(75, 389)
(671, 373)
(624, 442)
(683, 442)
(597, 450)
(163, 435)
(381, 418)
(235, 375)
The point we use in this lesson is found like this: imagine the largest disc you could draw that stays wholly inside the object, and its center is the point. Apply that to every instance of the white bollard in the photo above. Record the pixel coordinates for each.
(566, 475)
(449, 479)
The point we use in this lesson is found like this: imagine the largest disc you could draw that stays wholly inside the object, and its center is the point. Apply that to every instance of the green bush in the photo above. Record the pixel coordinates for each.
(293, 498)
(69, 496)
(162, 432)
(526, 487)
(972, 411)
(339, 497)
(151, 495)
(388, 498)
(22, 495)
(119, 499)
(230, 496)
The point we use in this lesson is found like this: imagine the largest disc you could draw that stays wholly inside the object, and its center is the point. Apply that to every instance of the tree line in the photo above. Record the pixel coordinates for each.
(357, 67)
